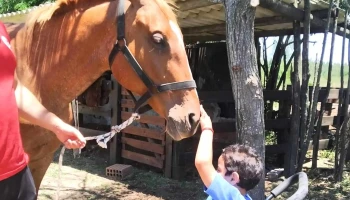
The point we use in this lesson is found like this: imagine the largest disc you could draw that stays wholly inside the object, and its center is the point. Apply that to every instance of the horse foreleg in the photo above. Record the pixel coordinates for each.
(40, 145)
(39, 168)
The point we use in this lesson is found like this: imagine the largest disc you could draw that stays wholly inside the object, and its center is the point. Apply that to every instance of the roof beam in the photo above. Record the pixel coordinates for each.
(282, 32)
(265, 21)
(193, 39)
(193, 4)
(289, 11)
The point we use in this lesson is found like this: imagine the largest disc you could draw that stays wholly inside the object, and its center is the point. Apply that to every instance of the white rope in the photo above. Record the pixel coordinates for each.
(100, 139)
(75, 104)
(75, 110)
(104, 138)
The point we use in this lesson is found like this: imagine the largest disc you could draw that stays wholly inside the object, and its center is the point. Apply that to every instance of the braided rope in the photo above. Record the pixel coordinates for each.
(101, 141)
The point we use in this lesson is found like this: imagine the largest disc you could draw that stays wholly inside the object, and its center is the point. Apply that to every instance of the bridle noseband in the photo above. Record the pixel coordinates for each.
(153, 89)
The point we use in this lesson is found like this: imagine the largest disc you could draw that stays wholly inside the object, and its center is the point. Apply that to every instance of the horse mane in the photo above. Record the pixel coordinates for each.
(169, 8)
(41, 15)
(44, 14)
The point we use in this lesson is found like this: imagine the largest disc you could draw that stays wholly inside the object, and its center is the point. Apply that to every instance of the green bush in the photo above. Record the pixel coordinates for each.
(7, 6)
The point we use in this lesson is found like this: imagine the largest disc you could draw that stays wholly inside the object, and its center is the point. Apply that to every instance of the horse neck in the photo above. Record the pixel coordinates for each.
(65, 57)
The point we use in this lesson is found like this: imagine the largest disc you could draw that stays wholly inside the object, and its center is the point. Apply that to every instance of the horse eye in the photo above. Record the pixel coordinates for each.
(158, 38)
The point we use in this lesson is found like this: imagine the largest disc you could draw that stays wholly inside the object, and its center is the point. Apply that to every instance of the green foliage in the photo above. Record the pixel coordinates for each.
(343, 4)
(270, 138)
(7, 6)
(329, 154)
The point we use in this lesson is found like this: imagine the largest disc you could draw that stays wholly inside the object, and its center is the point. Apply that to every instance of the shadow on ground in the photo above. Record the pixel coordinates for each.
(141, 184)
(84, 178)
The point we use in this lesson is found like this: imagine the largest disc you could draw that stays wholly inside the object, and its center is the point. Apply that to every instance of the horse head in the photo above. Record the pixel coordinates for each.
(154, 38)
(72, 40)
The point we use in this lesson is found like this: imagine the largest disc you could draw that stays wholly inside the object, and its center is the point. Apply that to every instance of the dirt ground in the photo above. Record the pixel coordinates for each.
(84, 178)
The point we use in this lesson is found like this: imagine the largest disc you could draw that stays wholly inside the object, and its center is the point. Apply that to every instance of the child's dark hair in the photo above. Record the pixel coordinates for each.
(245, 161)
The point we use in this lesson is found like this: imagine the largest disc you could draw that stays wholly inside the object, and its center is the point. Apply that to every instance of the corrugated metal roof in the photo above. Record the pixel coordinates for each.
(199, 18)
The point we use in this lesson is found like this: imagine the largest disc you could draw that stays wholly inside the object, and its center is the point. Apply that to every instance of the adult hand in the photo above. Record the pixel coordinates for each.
(69, 136)
(205, 120)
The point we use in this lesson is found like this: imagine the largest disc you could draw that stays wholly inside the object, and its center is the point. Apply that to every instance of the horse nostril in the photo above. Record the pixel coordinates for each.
(192, 119)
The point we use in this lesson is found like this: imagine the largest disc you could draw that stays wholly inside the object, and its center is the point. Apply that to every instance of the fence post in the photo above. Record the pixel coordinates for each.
(115, 145)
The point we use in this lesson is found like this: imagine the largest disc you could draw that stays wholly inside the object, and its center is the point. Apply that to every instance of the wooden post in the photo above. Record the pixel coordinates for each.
(324, 101)
(168, 155)
(283, 135)
(340, 106)
(246, 85)
(344, 135)
(315, 94)
(115, 146)
(304, 89)
(177, 167)
(292, 151)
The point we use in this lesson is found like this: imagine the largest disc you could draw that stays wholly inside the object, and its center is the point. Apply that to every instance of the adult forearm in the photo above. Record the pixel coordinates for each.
(33, 111)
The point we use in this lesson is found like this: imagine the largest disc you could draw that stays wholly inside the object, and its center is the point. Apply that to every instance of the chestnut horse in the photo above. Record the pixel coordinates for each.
(64, 48)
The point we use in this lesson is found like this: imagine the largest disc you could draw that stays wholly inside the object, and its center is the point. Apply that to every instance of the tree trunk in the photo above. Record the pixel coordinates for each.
(246, 85)
(292, 152)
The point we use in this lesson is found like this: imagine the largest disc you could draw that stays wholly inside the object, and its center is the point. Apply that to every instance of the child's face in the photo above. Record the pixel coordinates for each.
(232, 178)
(221, 166)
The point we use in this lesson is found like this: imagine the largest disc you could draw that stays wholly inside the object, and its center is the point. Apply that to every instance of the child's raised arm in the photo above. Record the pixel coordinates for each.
(204, 155)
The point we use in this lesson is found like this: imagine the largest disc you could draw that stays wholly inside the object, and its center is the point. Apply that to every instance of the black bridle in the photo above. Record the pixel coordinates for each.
(153, 89)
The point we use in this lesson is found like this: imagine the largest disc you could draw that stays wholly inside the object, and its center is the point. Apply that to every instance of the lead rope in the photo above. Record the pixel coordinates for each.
(100, 139)
(75, 110)
(76, 123)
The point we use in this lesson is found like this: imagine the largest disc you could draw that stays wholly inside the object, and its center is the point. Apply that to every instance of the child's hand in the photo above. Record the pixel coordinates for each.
(205, 120)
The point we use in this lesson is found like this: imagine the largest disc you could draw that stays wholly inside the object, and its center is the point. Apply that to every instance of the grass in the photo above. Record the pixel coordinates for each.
(321, 183)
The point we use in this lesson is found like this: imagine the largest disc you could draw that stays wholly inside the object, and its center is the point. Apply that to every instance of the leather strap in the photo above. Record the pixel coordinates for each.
(139, 104)
(176, 86)
(137, 68)
(112, 55)
(120, 21)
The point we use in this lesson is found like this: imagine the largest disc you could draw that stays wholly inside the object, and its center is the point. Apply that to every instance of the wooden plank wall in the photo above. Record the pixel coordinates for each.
(104, 111)
(139, 142)
(109, 111)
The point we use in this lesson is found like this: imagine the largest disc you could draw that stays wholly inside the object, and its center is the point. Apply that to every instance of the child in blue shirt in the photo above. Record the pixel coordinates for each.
(239, 167)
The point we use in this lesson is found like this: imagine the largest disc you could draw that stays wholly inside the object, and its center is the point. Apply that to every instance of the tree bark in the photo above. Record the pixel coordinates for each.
(246, 85)
(324, 101)
(340, 104)
(314, 101)
(344, 129)
(292, 152)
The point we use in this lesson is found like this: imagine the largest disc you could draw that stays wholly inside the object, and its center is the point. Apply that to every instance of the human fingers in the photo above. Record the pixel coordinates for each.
(74, 144)
(75, 135)
(80, 137)
(203, 113)
(81, 144)
(68, 144)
